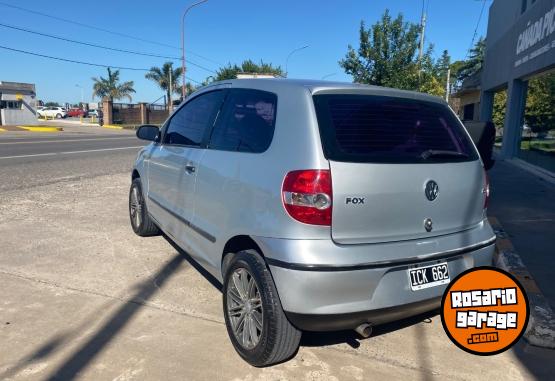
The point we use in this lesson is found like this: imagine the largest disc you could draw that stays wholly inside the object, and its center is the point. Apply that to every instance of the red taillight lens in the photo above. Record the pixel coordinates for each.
(486, 190)
(307, 196)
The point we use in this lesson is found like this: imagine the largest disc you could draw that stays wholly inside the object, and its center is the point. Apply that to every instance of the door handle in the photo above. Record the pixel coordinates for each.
(189, 168)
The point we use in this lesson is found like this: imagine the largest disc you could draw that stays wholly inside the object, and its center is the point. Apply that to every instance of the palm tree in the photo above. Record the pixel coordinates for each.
(162, 77)
(111, 88)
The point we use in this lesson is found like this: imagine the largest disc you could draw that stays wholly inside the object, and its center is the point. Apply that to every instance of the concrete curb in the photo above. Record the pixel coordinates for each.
(541, 325)
(40, 128)
(2, 130)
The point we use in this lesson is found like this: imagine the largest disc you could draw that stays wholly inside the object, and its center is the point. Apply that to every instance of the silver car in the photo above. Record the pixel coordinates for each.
(318, 205)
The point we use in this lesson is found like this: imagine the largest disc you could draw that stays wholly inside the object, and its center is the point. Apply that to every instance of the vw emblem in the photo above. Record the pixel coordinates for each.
(431, 190)
(428, 225)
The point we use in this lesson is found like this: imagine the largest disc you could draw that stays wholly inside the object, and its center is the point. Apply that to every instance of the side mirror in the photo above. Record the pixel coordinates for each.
(149, 132)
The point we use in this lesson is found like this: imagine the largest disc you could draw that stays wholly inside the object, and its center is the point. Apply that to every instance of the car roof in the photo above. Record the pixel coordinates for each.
(320, 86)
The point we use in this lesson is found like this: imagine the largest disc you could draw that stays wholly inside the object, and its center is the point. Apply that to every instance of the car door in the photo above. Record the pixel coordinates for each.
(243, 130)
(173, 164)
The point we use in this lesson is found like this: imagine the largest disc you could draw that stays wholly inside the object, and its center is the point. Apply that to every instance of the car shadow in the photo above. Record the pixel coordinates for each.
(209, 277)
(353, 339)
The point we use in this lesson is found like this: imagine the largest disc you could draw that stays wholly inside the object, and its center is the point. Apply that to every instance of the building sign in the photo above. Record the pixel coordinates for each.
(536, 35)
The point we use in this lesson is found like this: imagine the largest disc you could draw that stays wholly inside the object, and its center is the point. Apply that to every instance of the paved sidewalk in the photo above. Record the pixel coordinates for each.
(82, 297)
(525, 206)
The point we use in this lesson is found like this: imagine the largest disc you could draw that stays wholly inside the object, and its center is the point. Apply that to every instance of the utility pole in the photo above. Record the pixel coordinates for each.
(82, 95)
(447, 85)
(170, 108)
(422, 31)
(183, 90)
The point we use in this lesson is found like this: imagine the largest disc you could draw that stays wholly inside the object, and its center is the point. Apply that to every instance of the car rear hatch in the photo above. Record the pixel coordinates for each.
(401, 168)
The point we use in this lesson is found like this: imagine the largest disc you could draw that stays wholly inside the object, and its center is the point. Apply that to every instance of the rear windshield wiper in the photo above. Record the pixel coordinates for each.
(439, 153)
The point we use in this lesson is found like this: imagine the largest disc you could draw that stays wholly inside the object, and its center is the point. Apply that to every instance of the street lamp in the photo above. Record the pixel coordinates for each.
(289, 55)
(329, 75)
(82, 97)
(183, 41)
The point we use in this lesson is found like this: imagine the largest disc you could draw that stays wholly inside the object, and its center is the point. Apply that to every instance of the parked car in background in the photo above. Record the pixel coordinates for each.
(93, 113)
(319, 206)
(53, 112)
(76, 112)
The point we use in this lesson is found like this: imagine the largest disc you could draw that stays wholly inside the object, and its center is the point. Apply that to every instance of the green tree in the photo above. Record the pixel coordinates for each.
(539, 114)
(51, 104)
(161, 75)
(248, 66)
(111, 88)
(443, 64)
(474, 62)
(387, 56)
(442, 67)
(499, 109)
(455, 68)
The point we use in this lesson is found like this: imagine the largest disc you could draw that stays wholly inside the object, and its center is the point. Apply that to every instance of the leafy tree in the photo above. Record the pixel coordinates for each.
(190, 88)
(161, 75)
(499, 109)
(111, 88)
(248, 66)
(474, 62)
(442, 67)
(387, 56)
(539, 114)
(51, 104)
(455, 68)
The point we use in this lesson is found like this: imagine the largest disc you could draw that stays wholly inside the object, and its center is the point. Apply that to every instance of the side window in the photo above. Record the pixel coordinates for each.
(247, 122)
(189, 125)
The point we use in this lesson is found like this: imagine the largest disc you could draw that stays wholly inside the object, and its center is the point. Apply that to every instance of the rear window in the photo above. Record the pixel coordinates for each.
(377, 129)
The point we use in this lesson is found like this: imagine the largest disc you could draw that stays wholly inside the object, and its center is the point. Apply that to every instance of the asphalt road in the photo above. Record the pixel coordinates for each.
(32, 159)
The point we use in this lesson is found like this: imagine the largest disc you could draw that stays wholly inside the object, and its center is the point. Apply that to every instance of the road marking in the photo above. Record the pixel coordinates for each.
(68, 152)
(68, 140)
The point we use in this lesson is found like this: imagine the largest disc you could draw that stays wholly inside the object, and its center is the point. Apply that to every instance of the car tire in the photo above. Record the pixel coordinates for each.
(274, 339)
(141, 222)
(58, 116)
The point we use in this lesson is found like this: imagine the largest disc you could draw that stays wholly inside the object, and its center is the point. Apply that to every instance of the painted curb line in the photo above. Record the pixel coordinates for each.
(541, 326)
(114, 127)
(40, 129)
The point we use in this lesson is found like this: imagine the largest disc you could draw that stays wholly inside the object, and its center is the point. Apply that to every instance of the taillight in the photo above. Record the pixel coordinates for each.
(485, 190)
(307, 196)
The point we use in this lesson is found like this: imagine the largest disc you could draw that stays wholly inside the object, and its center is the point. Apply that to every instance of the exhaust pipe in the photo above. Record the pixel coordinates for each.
(364, 330)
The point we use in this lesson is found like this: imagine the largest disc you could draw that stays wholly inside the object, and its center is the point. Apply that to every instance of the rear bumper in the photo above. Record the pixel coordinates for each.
(319, 295)
(337, 322)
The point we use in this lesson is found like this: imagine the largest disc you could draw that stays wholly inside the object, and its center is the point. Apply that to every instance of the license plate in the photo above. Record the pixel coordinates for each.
(421, 277)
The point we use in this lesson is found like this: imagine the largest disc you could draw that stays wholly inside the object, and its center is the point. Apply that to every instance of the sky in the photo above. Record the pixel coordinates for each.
(216, 33)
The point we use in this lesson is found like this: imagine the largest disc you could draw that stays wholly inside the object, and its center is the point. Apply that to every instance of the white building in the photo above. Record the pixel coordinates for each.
(17, 103)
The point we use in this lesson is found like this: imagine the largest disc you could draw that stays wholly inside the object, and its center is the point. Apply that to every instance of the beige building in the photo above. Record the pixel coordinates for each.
(468, 98)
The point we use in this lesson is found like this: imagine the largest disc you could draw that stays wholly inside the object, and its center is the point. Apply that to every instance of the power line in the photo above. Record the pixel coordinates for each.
(105, 47)
(102, 30)
(83, 62)
(476, 29)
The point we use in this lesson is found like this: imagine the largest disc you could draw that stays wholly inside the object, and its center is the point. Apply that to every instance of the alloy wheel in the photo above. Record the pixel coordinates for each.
(135, 207)
(244, 308)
